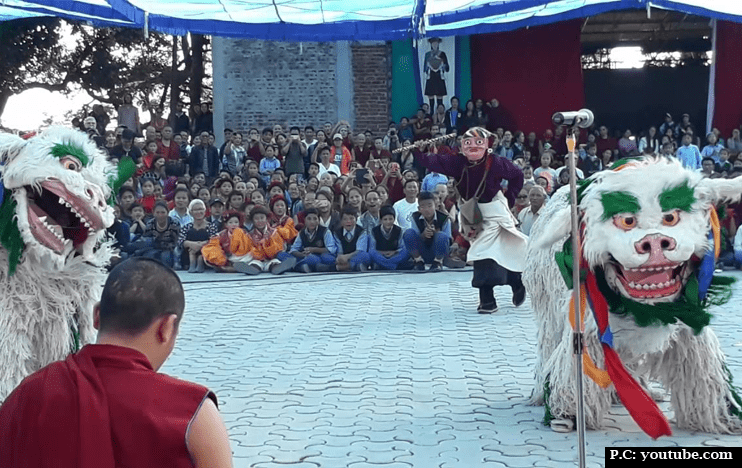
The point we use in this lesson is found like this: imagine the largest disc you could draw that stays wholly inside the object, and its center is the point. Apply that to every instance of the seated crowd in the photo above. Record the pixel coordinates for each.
(331, 199)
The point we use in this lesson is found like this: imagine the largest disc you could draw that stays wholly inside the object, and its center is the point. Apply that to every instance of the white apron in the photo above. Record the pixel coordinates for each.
(500, 239)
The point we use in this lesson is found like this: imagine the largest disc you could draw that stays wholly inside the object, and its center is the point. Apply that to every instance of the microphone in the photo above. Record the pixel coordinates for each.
(583, 118)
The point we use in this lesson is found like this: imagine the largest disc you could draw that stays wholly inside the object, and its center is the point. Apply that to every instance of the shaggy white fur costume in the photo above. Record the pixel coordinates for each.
(691, 367)
(58, 181)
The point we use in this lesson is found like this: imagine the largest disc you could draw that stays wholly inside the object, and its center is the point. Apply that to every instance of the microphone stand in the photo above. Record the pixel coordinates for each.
(578, 332)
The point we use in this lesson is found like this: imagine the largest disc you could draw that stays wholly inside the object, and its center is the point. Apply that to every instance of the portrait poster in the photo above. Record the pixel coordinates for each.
(437, 70)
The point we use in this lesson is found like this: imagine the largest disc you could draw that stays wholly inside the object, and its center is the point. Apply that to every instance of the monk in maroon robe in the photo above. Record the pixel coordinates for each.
(106, 406)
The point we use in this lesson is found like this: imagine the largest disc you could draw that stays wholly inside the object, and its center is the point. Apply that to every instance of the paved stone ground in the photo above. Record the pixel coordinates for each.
(386, 369)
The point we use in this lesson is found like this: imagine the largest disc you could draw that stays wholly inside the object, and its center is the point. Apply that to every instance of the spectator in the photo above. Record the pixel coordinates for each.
(546, 161)
(148, 195)
(269, 163)
(128, 115)
(280, 219)
(429, 238)
(712, 149)
(167, 147)
(707, 167)
(470, 118)
(295, 151)
(689, 154)
(194, 236)
(127, 197)
(370, 219)
(379, 152)
(432, 180)
(204, 158)
(605, 141)
(156, 121)
(591, 164)
(422, 126)
(180, 212)
(650, 140)
(92, 408)
(405, 130)
(138, 224)
(325, 165)
(216, 210)
(360, 153)
(521, 201)
(528, 216)
(669, 125)
(352, 242)
(405, 207)
(724, 167)
(204, 120)
(439, 117)
(339, 155)
(314, 247)
(734, 143)
(267, 249)
(685, 127)
(234, 154)
(386, 245)
(179, 120)
(626, 145)
(495, 115)
(161, 236)
(230, 248)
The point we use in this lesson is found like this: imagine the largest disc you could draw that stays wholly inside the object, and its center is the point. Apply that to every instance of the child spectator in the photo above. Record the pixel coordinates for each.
(148, 195)
(269, 163)
(591, 163)
(689, 154)
(314, 247)
(328, 217)
(216, 209)
(429, 237)
(267, 249)
(180, 213)
(194, 236)
(724, 167)
(236, 200)
(230, 248)
(257, 197)
(352, 242)
(712, 149)
(280, 219)
(386, 245)
(127, 198)
(138, 222)
(546, 161)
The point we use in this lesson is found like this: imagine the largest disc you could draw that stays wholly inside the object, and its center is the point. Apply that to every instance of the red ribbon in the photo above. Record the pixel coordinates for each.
(643, 410)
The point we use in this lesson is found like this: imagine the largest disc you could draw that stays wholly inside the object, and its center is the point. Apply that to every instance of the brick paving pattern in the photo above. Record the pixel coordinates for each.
(387, 370)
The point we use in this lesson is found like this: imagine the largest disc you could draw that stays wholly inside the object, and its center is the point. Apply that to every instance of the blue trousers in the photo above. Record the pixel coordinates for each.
(360, 258)
(399, 261)
(314, 259)
(428, 249)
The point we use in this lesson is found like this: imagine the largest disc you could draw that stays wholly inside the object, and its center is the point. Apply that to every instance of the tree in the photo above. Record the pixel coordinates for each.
(105, 62)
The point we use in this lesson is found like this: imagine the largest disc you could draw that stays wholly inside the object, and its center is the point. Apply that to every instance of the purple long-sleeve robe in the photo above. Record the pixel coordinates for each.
(450, 163)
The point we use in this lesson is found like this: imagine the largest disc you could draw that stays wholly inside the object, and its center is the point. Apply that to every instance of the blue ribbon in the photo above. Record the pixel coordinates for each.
(706, 270)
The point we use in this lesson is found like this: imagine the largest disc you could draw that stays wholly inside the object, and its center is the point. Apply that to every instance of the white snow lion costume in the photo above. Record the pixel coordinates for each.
(53, 247)
(649, 239)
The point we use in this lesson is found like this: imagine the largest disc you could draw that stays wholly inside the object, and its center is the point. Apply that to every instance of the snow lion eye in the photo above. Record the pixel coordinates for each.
(626, 222)
(480, 142)
(671, 219)
(71, 163)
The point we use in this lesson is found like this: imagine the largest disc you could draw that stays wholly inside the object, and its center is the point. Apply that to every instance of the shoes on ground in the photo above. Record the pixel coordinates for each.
(519, 295)
(284, 266)
(488, 308)
(435, 266)
(246, 268)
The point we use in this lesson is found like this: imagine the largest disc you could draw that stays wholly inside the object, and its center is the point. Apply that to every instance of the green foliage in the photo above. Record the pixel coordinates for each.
(107, 63)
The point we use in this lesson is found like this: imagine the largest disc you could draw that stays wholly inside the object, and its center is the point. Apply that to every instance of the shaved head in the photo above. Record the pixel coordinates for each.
(138, 292)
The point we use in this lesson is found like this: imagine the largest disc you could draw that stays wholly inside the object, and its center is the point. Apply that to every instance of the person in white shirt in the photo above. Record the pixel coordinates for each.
(408, 205)
(529, 215)
(325, 165)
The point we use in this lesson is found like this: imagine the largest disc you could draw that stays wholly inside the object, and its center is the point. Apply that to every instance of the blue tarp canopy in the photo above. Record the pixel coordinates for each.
(331, 20)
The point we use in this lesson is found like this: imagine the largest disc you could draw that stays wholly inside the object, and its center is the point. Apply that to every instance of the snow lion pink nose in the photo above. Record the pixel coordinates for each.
(655, 245)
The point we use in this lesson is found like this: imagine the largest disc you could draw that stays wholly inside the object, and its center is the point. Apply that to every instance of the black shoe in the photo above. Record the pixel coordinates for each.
(284, 266)
(519, 295)
(450, 262)
(247, 269)
(435, 266)
(418, 266)
(488, 308)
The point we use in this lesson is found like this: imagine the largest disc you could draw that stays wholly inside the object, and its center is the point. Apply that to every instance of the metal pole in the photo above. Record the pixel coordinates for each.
(577, 335)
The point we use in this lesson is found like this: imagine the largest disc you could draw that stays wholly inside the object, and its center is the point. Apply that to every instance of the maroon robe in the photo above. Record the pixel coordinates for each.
(103, 407)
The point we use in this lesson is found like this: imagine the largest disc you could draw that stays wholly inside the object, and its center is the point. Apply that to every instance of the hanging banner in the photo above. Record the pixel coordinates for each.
(437, 61)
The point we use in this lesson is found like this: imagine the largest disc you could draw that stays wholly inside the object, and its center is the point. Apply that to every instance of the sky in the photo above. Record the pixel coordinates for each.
(28, 110)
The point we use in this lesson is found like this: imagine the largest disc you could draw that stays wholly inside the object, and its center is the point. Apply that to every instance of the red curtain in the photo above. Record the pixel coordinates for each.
(728, 82)
(532, 72)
